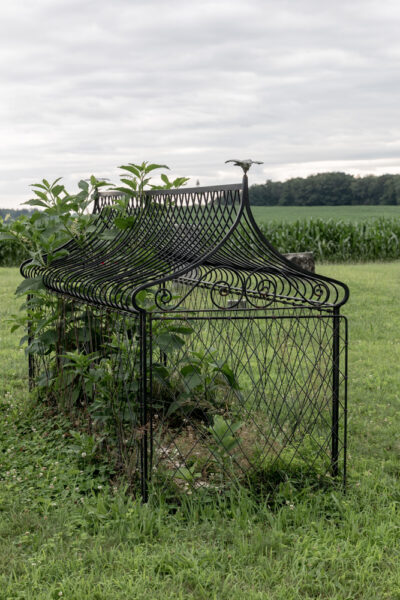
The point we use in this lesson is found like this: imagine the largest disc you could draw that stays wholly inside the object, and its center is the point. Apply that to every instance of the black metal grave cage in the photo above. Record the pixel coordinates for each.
(196, 346)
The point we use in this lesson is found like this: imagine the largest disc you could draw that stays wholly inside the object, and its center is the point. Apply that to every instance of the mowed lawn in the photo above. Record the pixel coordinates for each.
(66, 532)
(345, 213)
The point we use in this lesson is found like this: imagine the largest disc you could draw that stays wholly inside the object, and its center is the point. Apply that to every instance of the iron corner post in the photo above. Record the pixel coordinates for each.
(346, 361)
(144, 339)
(335, 391)
(246, 190)
(31, 362)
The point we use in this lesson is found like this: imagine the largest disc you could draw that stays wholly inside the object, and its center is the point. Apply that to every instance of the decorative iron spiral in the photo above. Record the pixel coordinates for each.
(221, 288)
(320, 293)
(162, 298)
(264, 293)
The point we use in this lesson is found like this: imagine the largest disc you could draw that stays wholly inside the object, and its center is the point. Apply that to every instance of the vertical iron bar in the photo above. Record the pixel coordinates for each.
(335, 392)
(143, 402)
(346, 355)
(151, 393)
(163, 356)
(31, 364)
(246, 200)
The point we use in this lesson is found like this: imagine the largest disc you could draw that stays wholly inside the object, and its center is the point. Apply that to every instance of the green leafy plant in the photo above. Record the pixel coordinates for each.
(196, 384)
(84, 445)
(223, 433)
(44, 235)
(138, 177)
(79, 366)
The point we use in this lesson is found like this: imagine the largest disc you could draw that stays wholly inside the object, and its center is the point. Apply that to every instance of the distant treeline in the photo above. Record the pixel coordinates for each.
(328, 189)
(14, 213)
(323, 189)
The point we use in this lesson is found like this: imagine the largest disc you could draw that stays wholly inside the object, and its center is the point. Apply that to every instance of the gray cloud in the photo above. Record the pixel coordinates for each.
(304, 86)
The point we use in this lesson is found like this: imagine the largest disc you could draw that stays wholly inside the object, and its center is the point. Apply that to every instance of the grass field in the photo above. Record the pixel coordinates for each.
(345, 213)
(66, 532)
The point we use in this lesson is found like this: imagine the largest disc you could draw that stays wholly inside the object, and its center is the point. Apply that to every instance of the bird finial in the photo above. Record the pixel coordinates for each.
(245, 164)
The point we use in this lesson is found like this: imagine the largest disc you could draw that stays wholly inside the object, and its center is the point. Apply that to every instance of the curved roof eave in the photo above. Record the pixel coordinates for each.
(173, 233)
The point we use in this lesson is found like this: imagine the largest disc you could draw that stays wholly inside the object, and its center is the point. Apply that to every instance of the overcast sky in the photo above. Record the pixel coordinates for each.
(304, 85)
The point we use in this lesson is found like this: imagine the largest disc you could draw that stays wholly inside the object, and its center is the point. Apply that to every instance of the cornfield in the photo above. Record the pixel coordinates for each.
(338, 241)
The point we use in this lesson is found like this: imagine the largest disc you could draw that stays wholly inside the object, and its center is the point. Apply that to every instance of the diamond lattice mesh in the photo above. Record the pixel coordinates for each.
(223, 398)
(244, 392)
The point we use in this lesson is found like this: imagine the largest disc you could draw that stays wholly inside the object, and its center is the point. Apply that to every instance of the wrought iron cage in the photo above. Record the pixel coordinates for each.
(210, 357)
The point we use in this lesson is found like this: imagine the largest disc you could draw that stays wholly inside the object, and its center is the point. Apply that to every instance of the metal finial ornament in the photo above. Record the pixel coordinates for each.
(245, 164)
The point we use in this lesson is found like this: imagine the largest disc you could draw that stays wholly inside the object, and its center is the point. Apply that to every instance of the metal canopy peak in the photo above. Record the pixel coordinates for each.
(197, 238)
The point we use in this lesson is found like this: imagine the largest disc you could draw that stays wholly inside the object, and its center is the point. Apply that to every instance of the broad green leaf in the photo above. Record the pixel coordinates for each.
(169, 342)
(36, 202)
(187, 474)
(183, 402)
(130, 182)
(161, 374)
(57, 189)
(126, 191)
(30, 285)
(124, 222)
(131, 169)
(83, 185)
(48, 338)
(180, 181)
(230, 376)
(41, 195)
(236, 426)
(192, 380)
(36, 216)
(60, 254)
(154, 166)
(141, 296)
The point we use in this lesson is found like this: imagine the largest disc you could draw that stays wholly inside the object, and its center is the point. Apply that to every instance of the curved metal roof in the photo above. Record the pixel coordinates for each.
(201, 237)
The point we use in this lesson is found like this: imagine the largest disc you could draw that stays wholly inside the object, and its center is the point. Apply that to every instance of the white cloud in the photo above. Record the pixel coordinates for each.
(300, 85)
